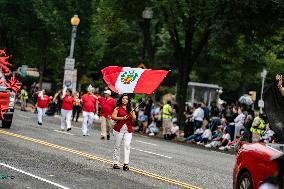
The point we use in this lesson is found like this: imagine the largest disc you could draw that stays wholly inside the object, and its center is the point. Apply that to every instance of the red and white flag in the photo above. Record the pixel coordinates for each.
(133, 80)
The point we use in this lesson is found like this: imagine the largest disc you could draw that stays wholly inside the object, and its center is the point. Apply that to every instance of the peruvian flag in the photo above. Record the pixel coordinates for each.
(133, 80)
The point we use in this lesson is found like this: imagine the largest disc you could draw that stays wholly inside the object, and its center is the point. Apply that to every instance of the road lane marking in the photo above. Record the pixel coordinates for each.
(146, 143)
(34, 176)
(63, 132)
(94, 157)
(148, 152)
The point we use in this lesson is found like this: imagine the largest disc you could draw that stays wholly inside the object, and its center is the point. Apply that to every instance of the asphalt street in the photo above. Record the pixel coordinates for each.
(44, 157)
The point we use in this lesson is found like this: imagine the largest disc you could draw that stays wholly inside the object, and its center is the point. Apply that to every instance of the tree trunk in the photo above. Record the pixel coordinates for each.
(182, 83)
(148, 47)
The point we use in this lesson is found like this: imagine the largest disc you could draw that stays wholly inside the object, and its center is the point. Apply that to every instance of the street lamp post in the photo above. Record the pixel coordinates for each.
(261, 102)
(70, 74)
(147, 15)
(74, 22)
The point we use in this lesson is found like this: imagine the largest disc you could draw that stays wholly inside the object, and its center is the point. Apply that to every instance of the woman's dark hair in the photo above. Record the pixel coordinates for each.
(70, 91)
(128, 106)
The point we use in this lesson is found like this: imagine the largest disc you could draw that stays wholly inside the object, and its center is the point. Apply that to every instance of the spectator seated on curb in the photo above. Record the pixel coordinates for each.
(230, 126)
(218, 132)
(216, 138)
(152, 128)
(142, 120)
(206, 136)
(174, 129)
(214, 123)
(267, 136)
(244, 136)
(226, 138)
(196, 136)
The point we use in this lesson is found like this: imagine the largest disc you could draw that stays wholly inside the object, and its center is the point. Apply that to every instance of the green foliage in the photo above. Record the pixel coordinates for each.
(226, 42)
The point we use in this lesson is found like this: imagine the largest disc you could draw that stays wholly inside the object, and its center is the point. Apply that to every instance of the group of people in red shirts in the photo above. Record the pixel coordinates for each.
(121, 112)
(90, 103)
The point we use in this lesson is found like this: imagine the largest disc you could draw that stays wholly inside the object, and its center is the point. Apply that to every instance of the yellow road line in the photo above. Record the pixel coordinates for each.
(133, 169)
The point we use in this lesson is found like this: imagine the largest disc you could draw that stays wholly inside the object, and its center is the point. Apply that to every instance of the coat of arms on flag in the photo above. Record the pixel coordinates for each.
(133, 80)
(128, 77)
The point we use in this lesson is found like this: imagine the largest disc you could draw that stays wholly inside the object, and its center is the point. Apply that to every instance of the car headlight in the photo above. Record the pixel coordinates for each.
(11, 104)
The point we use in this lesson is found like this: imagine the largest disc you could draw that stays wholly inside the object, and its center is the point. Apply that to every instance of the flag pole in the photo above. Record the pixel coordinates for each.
(134, 109)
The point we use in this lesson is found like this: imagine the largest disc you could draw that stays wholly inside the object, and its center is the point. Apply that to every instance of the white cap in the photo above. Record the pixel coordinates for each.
(174, 120)
(107, 92)
(91, 88)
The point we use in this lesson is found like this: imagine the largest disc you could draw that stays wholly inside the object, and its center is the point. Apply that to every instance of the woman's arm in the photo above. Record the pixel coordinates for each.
(97, 108)
(63, 92)
(133, 115)
(55, 96)
(114, 116)
(95, 96)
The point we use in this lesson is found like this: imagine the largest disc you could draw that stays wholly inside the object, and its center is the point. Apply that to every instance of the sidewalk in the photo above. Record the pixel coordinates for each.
(178, 140)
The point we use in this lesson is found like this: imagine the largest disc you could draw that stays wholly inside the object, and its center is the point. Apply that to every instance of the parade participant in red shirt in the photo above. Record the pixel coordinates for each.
(77, 108)
(89, 101)
(42, 102)
(66, 109)
(124, 115)
(107, 106)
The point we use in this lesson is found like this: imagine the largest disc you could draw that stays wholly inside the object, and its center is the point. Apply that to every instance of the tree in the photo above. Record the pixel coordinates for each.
(194, 25)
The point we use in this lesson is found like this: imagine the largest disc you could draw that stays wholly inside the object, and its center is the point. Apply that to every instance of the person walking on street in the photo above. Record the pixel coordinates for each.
(124, 115)
(167, 112)
(24, 97)
(89, 101)
(66, 109)
(76, 106)
(42, 103)
(35, 92)
(107, 106)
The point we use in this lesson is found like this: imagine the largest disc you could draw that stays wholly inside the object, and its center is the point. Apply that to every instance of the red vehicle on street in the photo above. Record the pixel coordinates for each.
(254, 163)
(9, 86)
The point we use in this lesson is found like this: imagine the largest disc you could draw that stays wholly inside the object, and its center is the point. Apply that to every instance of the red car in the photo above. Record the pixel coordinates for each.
(254, 163)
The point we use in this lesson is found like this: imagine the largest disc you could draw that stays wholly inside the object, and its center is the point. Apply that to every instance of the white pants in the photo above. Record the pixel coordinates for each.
(88, 118)
(66, 118)
(106, 126)
(40, 114)
(119, 136)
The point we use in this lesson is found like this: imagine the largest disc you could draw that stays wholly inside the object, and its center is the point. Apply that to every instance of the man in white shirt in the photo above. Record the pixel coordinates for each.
(198, 115)
(206, 136)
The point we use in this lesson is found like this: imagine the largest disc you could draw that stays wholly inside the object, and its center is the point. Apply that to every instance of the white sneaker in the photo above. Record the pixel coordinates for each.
(198, 143)
(222, 148)
(208, 146)
(151, 134)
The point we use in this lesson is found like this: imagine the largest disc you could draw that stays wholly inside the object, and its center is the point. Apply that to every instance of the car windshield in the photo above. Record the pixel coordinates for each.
(279, 147)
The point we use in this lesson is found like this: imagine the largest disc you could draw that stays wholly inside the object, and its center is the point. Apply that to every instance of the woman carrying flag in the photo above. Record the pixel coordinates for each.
(128, 80)
(124, 115)
(66, 109)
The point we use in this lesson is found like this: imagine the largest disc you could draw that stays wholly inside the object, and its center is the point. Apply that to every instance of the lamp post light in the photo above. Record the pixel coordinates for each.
(70, 74)
(147, 15)
(74, 22)
(261, 102)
